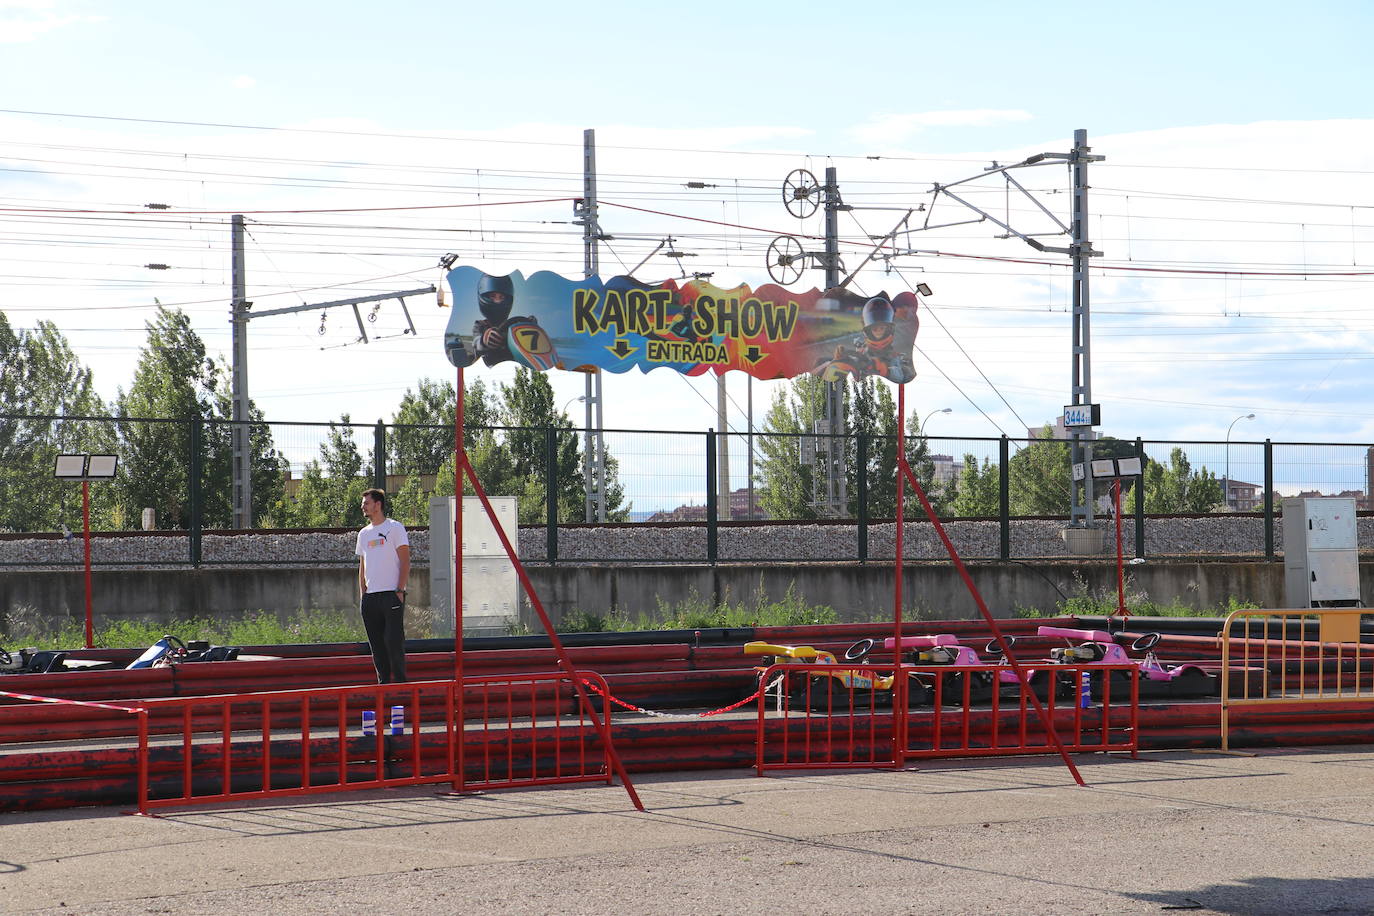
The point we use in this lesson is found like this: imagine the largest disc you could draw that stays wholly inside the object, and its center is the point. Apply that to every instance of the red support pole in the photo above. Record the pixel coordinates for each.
(1120, 564)
(86, 533)
(459, 459)
(898, 693)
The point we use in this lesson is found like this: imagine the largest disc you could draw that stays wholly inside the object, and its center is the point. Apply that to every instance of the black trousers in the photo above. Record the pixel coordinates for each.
(385, 622)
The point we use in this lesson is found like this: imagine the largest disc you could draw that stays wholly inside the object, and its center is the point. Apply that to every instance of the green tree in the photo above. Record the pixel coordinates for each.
(789, 478)
(177, 393)
(786, 466)
(978, 489)
(40, 376)
(1039, 477)
(872, 412)
(1176, 487)
(331, 489)
(527, 409)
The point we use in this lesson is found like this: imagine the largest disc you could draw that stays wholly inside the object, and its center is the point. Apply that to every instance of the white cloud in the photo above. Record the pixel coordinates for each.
(28, 20)
(895, 128)
(244, 82)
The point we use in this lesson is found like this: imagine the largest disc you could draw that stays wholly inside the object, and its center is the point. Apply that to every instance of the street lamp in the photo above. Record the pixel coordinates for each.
(1226, 485)
(922, 431)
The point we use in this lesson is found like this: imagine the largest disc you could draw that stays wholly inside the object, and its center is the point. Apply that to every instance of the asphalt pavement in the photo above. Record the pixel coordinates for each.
(1277, 832)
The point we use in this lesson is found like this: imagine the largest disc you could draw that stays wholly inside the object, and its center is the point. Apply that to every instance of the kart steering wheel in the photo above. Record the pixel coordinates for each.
(859, 651)
(1000, 646)
(1145, 643)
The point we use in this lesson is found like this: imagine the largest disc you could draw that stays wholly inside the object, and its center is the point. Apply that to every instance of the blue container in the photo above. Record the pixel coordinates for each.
(369, 722)
(398, 720)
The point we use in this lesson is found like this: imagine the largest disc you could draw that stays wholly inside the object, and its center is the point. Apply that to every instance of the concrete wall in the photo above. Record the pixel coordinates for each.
(855, 591)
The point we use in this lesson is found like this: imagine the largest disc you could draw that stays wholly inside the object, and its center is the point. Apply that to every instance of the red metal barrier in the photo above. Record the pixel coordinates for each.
(520, 730)
(842, 716)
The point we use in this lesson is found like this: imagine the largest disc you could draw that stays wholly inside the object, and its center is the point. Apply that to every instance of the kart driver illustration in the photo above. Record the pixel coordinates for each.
(498, 336)
(872, 352)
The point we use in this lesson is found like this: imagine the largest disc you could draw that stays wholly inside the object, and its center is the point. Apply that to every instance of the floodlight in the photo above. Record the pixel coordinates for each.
(923, 289)
(1104, 467)
(1129, 467)
(102, 466)
(70, 467)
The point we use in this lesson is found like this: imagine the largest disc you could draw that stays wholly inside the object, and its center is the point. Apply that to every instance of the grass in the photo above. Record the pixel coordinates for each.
(1087, 602)
(26, 627)
(697, 613)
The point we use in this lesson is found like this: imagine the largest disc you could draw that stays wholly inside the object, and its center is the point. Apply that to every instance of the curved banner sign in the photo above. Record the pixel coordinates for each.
(547, 321)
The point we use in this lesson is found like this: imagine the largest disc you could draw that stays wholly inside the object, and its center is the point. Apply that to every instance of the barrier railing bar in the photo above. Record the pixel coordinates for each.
(266, 716)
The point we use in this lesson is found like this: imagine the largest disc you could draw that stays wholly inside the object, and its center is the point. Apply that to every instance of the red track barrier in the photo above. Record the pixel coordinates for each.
(520, 732)
(843, 716)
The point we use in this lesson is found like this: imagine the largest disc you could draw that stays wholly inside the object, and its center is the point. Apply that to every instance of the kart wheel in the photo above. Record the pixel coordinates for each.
(918, 693)
(827, 695)
(5, 658)
(1193, 682)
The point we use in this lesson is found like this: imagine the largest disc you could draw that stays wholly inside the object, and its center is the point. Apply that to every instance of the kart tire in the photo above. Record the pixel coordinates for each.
(1193, 683)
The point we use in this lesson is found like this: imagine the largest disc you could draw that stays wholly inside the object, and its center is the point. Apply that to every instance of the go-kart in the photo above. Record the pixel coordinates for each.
(31, 661)
(828, 689)
(945, 649)
(169, 650)
(1157, 680)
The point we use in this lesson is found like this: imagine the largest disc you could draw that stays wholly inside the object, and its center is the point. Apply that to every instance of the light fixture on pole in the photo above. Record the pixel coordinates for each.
(922, 431)
(86, 468)
(1226, 481)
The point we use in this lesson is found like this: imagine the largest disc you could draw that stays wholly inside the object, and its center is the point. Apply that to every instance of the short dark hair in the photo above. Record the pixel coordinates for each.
(378, 496)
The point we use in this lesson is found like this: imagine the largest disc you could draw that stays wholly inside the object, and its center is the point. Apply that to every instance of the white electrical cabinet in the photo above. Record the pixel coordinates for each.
(491, 588)
(1321, 553)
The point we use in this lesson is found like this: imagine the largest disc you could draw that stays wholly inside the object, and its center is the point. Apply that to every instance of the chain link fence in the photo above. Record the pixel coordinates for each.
(656, 496)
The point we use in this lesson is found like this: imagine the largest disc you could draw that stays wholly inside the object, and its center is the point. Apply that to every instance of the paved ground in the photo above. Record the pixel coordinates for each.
(1280, 832)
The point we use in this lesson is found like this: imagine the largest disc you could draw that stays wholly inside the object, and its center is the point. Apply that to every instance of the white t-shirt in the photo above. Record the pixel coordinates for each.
(377, 546)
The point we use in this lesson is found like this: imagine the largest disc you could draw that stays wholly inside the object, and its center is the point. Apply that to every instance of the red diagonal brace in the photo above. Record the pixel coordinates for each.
(904, 474)
(464, 468)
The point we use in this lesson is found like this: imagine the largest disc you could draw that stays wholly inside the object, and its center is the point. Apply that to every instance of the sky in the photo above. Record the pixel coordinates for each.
(1234, 207)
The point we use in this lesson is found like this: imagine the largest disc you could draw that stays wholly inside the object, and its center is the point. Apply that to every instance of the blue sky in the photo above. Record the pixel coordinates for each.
(1239, 179)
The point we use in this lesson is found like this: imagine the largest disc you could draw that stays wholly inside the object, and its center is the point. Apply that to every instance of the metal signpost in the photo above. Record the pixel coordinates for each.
(86, 468)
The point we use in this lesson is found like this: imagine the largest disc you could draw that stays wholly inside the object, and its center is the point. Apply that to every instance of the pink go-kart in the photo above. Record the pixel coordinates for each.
(945, 650)
(1157, 680)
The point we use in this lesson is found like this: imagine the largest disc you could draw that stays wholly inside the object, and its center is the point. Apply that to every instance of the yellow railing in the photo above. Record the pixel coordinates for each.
(1274, 656)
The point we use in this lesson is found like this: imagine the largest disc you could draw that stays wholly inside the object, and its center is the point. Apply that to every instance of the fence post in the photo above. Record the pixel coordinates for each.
(1004, 495)
(1140, 500)
(196, 472)
(551, 494)
(1268, 499)
(861, 473)
(711, 496)
(379, 457)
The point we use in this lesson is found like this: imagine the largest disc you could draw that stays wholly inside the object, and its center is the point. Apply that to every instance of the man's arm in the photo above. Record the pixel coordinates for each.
(362, 578)
(403, 557)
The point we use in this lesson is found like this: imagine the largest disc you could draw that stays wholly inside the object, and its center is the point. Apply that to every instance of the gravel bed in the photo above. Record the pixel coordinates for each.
(1214, 537)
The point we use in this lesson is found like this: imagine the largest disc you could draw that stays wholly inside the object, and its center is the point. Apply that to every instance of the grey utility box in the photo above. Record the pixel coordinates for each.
(491, 589)
(1321, 556)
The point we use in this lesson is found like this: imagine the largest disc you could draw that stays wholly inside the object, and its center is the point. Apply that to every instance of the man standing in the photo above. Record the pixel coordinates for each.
(383, 569)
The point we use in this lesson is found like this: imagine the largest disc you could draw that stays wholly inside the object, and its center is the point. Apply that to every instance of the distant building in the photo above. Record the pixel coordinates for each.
(1242, 496)
(740, 510)
(947, 470)
(1059, 431)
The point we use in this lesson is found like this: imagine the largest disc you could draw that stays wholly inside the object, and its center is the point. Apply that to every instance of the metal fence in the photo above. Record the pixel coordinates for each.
(709, 494)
